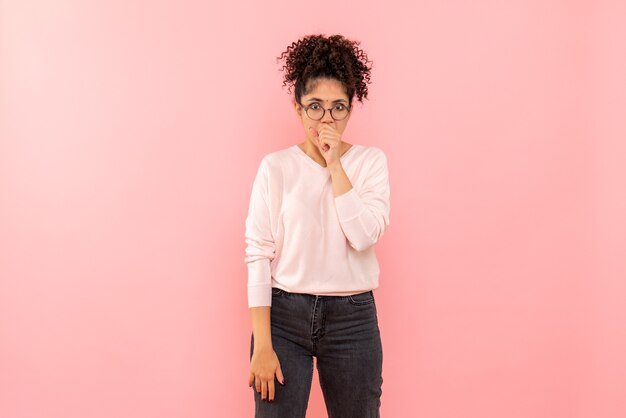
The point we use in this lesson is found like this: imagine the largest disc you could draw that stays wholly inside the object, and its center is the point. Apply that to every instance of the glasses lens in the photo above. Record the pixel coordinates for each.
(339, 113)
(315, 112)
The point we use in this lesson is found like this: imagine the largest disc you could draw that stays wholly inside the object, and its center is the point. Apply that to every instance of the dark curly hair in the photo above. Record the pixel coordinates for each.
(317, 56)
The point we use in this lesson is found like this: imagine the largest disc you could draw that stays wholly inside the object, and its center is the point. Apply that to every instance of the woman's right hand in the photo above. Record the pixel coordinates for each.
(263, 364)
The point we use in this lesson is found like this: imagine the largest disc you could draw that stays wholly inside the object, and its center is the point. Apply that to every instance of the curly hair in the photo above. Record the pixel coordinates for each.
(317, 56)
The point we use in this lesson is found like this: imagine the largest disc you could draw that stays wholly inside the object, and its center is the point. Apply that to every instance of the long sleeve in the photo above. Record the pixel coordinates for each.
(260, 249)
(364, 213)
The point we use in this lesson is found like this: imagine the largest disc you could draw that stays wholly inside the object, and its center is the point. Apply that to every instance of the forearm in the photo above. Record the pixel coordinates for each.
(261, 327)
(341, 182)
(363, 215)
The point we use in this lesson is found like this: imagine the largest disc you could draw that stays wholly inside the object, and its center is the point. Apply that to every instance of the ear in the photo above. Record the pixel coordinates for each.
(298, 109)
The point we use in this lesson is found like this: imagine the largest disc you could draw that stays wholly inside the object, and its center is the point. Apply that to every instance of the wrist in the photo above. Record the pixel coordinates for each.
(335, 167)
(263, 346)
(262, 341)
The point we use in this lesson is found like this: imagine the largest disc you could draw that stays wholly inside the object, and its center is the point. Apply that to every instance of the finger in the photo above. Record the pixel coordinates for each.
(251, 380)
(280, 376)
(257, 385)
(263, 389)
(316, 136)
(271, 390)
(326, 127)
(319, 143)
(327, 136)
(323, 133)
(325, 143)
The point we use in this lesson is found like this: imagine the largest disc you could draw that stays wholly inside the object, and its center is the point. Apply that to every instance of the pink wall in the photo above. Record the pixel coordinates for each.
(130, 134)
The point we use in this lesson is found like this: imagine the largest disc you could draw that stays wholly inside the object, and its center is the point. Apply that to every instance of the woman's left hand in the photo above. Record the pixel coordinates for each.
(328, 140)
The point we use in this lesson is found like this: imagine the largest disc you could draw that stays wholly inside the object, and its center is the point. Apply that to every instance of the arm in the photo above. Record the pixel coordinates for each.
(260, 250)
(261, 328)
(341, 182)
(363, 214)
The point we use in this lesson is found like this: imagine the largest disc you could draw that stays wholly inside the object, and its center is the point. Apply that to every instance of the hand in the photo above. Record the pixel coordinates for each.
(328, 141)
(263, 364)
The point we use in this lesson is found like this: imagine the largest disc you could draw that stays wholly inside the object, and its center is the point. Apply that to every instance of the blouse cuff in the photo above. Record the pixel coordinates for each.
(259, 283)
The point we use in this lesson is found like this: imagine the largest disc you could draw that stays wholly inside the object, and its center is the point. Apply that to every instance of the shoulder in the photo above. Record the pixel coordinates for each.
(272, 165)
(278, 155)
(273, 161)
(372, 155)
(377, 152)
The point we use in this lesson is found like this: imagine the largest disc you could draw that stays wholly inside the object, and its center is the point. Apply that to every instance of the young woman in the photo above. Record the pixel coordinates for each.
(316, 210)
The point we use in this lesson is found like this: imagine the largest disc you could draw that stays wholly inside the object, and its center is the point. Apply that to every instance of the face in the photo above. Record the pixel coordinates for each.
(328, 93)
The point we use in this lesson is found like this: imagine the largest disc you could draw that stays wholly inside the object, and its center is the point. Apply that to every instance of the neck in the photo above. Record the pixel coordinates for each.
(312, 151)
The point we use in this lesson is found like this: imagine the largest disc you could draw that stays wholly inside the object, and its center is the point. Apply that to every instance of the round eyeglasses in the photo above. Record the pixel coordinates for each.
(317, 112)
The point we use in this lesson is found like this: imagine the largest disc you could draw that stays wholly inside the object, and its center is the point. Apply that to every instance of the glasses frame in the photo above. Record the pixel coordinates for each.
(306, 110)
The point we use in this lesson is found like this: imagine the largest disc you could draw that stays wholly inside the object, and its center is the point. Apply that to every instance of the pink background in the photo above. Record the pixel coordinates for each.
(130, 135)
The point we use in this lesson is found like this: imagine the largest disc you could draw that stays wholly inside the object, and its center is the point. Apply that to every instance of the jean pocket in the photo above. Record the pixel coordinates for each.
(362, 298)
(277, 292)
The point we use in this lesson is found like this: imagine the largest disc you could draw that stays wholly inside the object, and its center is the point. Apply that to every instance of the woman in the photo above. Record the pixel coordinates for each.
(316, 210)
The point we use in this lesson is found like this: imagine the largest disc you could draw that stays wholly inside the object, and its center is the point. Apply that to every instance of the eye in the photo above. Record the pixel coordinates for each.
(339, 106)
(315, 106)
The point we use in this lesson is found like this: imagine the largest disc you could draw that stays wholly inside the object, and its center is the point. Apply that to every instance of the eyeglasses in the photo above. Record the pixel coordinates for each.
(316, 112)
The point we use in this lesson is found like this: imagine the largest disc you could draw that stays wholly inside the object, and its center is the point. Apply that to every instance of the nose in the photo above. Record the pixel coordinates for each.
(327, 118)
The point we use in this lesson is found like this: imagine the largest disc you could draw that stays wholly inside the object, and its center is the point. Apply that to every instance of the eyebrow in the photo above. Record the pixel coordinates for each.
(320, 100)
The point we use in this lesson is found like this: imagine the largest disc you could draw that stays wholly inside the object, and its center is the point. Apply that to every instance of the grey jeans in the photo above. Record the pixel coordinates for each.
(342, 333)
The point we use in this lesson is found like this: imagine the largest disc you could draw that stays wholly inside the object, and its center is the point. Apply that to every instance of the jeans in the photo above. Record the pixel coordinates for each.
(342, 333)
